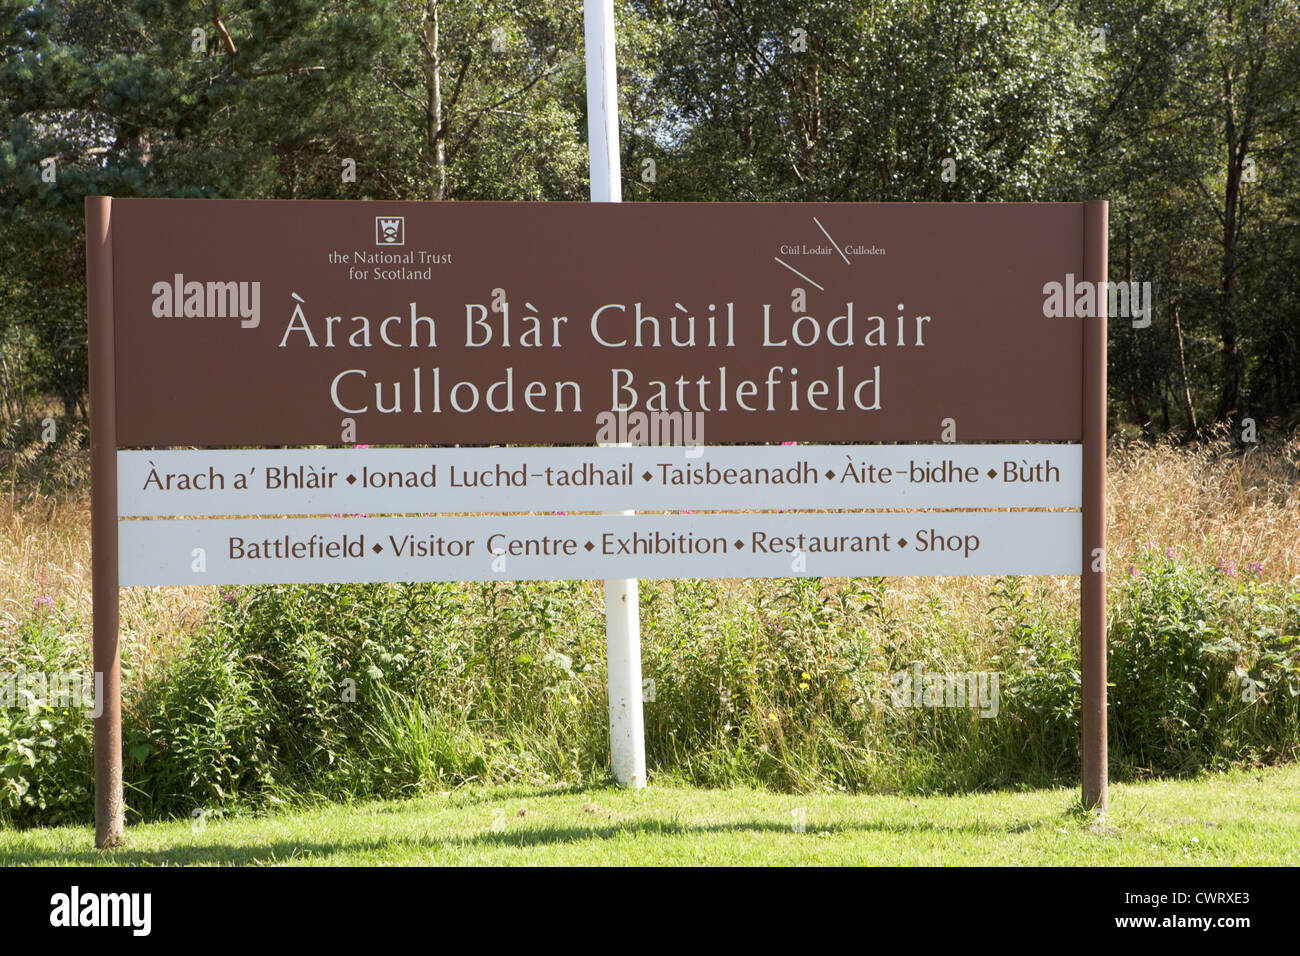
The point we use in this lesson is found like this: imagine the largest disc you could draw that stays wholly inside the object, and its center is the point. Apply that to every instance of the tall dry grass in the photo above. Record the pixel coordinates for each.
(1209, 503)
(45, 547)
(45, 553)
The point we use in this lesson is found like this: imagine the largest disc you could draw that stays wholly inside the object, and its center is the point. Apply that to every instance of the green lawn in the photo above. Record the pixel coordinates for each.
(1231, 819)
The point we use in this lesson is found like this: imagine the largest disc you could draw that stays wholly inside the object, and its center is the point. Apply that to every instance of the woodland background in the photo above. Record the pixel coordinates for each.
(1182, 113)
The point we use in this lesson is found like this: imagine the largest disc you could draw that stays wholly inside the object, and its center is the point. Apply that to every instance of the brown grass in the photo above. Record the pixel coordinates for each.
(45, 551)
(1208, 504)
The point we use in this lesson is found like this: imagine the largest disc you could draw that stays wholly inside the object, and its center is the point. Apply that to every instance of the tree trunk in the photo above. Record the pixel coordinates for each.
(1230, 383)
(435, 138)
(1233, 361)
(11, 413)
(1188, 407)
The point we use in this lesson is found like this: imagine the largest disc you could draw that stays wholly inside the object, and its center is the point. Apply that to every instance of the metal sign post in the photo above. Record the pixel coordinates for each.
(109, 816)
(622, 598)
(1092, 587)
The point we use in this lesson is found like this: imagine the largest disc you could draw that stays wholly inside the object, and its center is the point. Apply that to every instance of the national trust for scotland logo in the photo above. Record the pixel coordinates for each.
(390, 230)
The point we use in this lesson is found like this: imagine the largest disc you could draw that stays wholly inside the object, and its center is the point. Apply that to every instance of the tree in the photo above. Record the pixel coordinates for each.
(896, 100)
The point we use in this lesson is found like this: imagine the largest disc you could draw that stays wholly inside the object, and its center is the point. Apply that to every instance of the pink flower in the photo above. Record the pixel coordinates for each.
(44, 601)
(789, 443)
(1228, 567)
(1257, 568)
(1132, 571)
(360, 446)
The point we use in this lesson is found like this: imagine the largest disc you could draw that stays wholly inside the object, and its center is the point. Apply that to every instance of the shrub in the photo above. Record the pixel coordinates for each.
(46, 743)
(308, 693)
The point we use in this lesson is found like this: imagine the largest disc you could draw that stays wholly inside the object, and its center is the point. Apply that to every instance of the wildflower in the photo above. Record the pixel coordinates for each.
(1257, 568)
(43, 602)
(1132, 571)
(1228, 568)
(1169, 552)
(771, 715)
(229, 597)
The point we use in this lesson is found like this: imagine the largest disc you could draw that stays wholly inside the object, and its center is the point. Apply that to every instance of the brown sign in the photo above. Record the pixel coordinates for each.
(316, 323)
(275, 323)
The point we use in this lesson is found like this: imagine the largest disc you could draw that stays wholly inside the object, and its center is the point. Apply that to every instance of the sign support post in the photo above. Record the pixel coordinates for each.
(109, 814)
(622, 610)
(1092, 589)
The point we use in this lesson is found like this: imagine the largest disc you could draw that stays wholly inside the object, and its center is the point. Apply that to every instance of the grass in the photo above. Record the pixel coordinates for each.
(1233, 819)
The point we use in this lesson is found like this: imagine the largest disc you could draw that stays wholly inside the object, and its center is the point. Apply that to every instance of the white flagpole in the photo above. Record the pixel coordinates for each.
(622, 612)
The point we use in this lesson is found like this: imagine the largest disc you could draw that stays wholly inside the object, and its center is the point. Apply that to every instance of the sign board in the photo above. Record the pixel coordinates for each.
(324, 550)
(270, 323)
(286, 481)
(252, 333)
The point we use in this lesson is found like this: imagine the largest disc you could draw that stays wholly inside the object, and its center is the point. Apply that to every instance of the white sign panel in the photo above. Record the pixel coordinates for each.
(667, 478)
(325, 550)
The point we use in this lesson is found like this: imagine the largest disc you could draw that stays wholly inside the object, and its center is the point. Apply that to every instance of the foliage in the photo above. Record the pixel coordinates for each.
(1204, 668)
(1180, 112)
(45, 742)
(294, 694)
